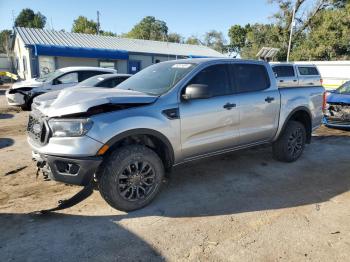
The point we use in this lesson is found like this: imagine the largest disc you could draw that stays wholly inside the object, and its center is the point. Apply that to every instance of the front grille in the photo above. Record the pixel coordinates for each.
(37, 129)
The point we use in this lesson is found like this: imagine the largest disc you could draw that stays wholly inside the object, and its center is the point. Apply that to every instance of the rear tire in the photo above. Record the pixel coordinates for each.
(131, 177)
(291, 143)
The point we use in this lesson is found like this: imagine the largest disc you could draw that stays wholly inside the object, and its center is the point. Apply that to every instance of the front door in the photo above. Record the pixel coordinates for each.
(209, 125)
(134, 66)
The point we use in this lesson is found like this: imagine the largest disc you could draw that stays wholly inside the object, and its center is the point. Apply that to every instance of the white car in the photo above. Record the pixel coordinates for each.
(22, 93)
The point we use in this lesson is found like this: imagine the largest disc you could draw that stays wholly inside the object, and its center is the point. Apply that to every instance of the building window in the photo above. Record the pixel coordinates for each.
(107, 64)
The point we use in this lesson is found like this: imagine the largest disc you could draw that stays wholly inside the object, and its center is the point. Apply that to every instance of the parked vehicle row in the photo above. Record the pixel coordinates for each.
(124, 139)
(102, 81)
(22, 93)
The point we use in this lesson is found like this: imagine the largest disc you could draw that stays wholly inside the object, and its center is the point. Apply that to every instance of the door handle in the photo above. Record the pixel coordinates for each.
(269, 99)
(295, 80)
(281, 81)
(229, 106)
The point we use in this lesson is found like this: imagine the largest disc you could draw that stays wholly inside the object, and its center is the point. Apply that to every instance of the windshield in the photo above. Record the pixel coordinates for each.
(92, 81)
(344, 88)
(157, 79)
(49, 76)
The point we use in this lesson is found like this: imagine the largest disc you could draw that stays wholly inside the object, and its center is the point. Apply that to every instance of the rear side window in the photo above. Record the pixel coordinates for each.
(216, 77)
(283, 71)
(249, 77)
(112, 82)
(83, 75)
(308, 70)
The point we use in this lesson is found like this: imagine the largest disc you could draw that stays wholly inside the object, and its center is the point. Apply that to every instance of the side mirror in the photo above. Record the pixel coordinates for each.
(197, 91)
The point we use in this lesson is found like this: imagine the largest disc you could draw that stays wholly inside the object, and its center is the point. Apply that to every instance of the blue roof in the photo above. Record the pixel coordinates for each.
(72, 51)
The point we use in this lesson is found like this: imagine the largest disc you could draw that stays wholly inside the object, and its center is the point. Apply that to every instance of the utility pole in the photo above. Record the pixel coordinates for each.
(98, 22)
(291, 33)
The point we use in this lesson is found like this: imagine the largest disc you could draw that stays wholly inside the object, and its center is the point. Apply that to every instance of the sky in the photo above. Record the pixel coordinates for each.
(185, 17)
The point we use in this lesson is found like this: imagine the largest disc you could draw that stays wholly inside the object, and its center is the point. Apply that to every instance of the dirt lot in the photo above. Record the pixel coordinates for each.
(243, 206)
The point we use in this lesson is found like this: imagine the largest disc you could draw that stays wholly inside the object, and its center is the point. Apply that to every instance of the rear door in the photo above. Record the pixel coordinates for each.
(308, 75)
(258, 102)
(209, 125)
(285, 75)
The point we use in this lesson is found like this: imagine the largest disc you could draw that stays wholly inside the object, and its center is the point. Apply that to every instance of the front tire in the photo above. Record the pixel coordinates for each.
(131, 177)
(291, 143)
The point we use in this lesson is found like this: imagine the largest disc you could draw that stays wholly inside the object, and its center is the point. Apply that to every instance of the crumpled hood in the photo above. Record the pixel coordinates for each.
(27, 83)
(338, 98)
(79, 100)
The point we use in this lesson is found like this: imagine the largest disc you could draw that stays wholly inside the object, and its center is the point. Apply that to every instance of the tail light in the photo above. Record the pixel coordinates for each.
(321, 80)
(324, 102)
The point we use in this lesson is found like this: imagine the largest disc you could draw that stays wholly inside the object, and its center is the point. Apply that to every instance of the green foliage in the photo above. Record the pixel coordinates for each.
(27, 18)
(149, 28)
(175, 38)
(84, 25)
(238, 35)
(4, 41)
(215, 39)
(107, 33)
(329, 38)
(193, 40)
(321, 32)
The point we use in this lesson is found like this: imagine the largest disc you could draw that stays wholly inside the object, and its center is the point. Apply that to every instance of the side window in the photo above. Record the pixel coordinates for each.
(83, 75)
(250, 77)
(69, 78)
(107, 83)
(216, 77)
(119, 80)
(283, 71)
(308, 70)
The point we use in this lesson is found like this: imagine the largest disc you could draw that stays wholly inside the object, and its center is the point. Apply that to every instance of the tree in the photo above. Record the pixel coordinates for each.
(328, 38)
(238, 35)
(84, 25)
(4, 41)
(149, 28)
(27, 18)
(107, 33)
(215, 40)
(193, 40)
(175, 38)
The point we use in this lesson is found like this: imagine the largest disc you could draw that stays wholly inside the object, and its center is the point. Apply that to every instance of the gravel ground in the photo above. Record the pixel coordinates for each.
(243, 206)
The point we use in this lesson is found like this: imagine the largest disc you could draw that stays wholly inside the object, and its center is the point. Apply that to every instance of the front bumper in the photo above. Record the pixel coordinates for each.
(69, 170)
(336, 123)
(16, 99)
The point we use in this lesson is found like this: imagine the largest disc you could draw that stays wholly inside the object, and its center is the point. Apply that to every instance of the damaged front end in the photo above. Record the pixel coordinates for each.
(337, 115)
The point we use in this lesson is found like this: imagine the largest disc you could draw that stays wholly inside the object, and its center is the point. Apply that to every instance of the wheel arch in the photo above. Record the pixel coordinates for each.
(303, 115)
(148, 137)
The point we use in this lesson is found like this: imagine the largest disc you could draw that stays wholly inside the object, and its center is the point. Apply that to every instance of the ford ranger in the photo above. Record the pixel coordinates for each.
(124, 139)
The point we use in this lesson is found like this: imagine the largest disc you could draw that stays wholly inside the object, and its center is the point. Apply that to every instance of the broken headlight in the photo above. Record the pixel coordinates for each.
(70, 127)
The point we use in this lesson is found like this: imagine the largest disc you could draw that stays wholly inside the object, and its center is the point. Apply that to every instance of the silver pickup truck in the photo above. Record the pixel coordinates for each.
(125, 139)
